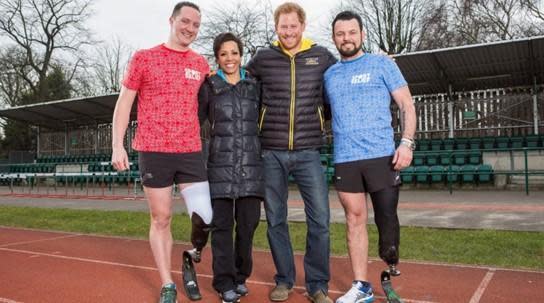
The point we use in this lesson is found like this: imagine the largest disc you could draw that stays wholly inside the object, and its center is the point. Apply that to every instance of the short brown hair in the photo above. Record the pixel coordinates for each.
(180, 5)
(287, 8)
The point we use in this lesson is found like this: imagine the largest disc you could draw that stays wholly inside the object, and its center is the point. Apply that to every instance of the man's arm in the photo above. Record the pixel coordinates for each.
(121, 117)
(403, 98)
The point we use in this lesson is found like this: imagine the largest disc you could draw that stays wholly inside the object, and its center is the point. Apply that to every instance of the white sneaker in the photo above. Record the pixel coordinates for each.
(358, 293)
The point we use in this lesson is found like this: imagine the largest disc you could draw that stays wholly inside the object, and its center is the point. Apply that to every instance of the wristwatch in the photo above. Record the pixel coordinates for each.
(411, 144)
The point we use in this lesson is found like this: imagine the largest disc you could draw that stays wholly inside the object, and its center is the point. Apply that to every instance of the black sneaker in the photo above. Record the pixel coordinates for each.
(241, 289)
(229, 296)
(168, 294)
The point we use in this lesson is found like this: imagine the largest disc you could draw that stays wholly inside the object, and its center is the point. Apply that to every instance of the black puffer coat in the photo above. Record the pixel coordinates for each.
(292, 110)
(235, 168)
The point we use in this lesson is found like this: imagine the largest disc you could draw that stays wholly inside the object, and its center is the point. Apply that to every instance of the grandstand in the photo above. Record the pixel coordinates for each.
(480, 111)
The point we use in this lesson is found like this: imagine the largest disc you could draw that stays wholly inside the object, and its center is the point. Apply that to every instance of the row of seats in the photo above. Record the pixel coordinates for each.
(473, 157)
(452, 173)
(100, 167)
(32, 168)
(533, 141)
(81, 158)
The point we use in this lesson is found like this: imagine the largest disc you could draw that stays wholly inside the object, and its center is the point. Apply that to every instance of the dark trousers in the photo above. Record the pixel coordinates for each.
(232, 262)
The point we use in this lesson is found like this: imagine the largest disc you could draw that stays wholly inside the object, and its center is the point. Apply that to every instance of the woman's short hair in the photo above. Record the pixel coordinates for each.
(225, 37)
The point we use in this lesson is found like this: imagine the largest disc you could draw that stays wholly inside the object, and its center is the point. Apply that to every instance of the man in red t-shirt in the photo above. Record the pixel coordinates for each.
(166, 79)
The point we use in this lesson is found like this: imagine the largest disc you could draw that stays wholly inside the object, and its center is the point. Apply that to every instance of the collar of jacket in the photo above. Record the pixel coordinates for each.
(219, 84)
(304, 46)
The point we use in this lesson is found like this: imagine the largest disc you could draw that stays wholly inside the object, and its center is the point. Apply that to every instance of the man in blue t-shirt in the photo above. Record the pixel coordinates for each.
(359, 89)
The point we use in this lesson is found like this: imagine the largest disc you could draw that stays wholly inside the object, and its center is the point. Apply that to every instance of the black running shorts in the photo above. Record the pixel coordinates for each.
(363, 176)
(159, 170)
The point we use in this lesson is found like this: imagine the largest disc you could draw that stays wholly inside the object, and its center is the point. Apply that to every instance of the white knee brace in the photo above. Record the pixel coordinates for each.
(197, 200)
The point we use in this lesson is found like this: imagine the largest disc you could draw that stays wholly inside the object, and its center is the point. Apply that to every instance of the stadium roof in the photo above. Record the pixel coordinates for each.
(67, 113)
(473, 67)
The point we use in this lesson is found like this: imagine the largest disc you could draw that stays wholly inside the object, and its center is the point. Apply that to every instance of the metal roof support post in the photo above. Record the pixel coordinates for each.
(38, 142)
(129, 138)
(65, 140)
(96, 139)
(450, 111)
(535, 106)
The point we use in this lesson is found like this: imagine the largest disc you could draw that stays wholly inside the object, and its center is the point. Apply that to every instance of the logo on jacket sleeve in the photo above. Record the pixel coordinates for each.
(192, 74)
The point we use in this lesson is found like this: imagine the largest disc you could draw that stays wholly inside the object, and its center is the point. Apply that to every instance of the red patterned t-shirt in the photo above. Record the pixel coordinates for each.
(167, 82)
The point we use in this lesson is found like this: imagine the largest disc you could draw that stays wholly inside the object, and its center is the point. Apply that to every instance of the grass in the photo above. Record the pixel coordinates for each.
(509, 249)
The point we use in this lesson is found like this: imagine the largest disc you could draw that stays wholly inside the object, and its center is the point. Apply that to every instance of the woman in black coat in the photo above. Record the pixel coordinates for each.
(229, 99)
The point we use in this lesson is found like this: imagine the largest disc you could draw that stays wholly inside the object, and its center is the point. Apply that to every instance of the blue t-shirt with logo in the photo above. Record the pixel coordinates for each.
(359, 92)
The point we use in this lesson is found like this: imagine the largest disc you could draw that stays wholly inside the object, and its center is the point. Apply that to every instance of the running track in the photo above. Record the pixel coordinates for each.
(45, 266)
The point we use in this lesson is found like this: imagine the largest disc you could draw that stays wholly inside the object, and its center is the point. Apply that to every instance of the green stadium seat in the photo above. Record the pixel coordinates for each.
(422, 173)
(461, 143)
(329, 173)
(516, 142)
(532, 141)
(452, 173)
(448, 143)
(432, 159)
(407, 174)
(475, 143)
(474, 157)
(324, 159)
(436, 144)
(460, 158)
(485, 172)
(468, 173)
(423, 144)
(488, 142)
(418, 159)
(437, 173)
(446, 158)
(502, 142)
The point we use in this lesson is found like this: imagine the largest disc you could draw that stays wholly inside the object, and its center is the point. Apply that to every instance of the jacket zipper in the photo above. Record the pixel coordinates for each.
(261, 119)
(292, 108)
(321, 119)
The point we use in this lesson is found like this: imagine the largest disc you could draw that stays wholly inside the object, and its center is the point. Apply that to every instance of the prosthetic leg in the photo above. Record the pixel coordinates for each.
(197, 200)
(385, 215)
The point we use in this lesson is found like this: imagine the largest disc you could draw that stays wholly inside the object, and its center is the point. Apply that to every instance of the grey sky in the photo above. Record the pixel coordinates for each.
(144, 23)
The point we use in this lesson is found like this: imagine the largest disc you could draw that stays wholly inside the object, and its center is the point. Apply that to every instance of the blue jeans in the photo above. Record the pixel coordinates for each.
(305, 167)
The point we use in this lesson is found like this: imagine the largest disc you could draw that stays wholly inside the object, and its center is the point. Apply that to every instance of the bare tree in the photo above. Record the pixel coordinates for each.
(393, 25)
(435, 29)
(109, 64)
(535, 7)
(12, 86)
(491, 20)
(42, 30)
(251, 21)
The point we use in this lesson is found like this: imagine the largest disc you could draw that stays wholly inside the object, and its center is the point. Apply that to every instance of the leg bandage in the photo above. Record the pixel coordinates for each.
(385, 215)
(199, 208)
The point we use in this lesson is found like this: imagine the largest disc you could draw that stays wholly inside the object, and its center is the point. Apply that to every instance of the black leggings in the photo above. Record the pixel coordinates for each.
(385, 203)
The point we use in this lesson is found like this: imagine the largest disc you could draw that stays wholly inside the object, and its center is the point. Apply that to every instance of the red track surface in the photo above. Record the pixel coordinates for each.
(41, 266)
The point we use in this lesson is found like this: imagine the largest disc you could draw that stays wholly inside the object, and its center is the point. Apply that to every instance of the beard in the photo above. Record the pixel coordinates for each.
(349, 53)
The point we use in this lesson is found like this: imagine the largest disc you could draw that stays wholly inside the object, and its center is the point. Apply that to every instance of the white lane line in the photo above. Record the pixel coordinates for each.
(39, 240)
(155, 269)
(6, 300)
(483, 286)
(76, 258)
